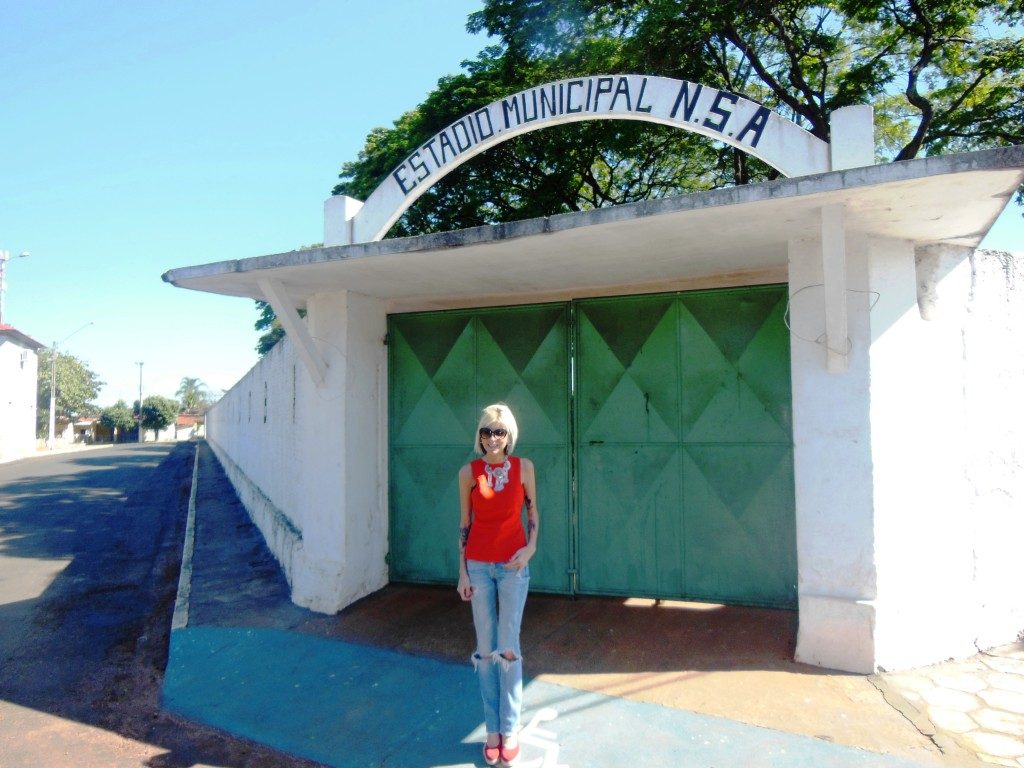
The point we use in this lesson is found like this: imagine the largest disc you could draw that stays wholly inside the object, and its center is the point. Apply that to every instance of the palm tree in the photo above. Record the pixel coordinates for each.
(193, 395)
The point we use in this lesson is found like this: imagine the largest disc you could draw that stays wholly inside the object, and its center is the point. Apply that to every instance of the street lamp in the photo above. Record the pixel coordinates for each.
(5, 256)
(140, 400)
(50, 441)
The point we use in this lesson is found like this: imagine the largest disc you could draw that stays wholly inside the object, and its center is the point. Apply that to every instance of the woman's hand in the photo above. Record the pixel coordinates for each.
(521, 558)
(465, 588)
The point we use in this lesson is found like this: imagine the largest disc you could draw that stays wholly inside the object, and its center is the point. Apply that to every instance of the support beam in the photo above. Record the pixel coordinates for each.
(833, 262)
(274, 292)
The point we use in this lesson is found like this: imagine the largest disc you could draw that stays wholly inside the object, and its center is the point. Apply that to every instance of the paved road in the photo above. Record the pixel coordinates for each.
(90, 546)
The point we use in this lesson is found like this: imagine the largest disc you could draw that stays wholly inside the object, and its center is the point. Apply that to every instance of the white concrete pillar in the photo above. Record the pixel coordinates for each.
(832, 470)
(923, 526)
(833, 260)
(339, 211)
(852, 137)
(366, 445)
(344, 528)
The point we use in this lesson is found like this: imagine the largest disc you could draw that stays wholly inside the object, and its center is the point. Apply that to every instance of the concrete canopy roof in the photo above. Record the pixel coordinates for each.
(645, 246)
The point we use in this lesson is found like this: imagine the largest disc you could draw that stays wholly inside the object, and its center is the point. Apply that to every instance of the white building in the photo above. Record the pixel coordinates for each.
(19, 367)
(797, 394)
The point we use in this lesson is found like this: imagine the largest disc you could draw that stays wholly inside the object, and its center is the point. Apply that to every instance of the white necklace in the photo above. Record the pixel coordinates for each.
(497, 476)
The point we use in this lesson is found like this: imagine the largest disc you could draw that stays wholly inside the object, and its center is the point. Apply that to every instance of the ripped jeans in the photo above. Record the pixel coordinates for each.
(499, 595)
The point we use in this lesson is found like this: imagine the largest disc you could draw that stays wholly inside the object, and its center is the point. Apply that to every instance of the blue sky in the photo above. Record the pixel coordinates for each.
(138, 137)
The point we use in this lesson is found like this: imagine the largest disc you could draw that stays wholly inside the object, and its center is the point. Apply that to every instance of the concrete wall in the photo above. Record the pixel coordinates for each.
(308, 461)
(908, 478)
(17, 401)
(994, 351)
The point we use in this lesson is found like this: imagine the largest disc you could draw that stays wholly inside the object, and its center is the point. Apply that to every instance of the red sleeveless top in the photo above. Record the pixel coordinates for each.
(496, 506)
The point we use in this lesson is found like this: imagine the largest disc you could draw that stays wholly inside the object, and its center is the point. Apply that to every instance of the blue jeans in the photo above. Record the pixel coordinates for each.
(499, 595)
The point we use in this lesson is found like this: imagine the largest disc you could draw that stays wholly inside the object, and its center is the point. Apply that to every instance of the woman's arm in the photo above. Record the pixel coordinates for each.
(465, 521)
(521, 558)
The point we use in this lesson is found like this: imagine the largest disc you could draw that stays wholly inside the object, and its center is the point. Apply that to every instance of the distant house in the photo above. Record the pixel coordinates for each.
(86, 429)
(189, 425)
(19, 366)
(185, 427)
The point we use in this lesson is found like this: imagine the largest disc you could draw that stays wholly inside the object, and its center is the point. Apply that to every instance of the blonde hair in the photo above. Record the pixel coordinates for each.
(498, 413)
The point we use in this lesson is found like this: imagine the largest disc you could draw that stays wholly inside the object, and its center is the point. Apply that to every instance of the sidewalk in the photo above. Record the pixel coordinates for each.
(611, 682)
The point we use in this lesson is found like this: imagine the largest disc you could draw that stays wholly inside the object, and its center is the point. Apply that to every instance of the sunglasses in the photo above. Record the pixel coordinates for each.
(486, 432)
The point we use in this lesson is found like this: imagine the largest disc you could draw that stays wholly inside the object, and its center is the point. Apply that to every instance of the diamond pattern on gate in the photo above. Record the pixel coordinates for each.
(629, 502)
(723, 338)
(742, 531)
(417, 551)
(522, 362)
(628, 350)
(436, 385)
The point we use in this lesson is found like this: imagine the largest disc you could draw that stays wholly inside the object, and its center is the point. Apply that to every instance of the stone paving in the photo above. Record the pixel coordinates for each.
(977, 704)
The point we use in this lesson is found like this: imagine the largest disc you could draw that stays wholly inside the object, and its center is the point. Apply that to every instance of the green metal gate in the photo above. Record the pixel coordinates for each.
(444, 368)
(685, 447)
(682, 460)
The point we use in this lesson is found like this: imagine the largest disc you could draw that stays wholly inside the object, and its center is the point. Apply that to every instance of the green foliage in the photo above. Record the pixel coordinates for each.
(270, 325)
(193, 395)
(118, 418)
(159, 412)
(77, 388)
(943, 76)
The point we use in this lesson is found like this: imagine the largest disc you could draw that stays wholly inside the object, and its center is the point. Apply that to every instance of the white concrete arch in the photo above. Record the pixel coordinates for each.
(717, 114)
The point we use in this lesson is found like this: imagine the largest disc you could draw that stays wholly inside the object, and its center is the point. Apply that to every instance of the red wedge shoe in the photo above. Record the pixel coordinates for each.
(492, 754)
(509, 755)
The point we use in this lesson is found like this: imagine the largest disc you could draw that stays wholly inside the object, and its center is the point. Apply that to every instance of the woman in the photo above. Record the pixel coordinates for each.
(494, 553)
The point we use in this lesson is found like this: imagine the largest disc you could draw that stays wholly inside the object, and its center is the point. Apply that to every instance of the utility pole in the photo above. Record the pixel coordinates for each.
(140, 400)
(52, 421)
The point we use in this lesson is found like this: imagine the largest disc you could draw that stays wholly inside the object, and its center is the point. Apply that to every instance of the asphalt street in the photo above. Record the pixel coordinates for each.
(90, 548)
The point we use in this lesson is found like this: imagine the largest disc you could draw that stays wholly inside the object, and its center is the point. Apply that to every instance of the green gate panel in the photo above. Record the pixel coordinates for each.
(685, 447)
(445, 367)
(630, 540)
(664, 470)
(739, 548)
(430, 438)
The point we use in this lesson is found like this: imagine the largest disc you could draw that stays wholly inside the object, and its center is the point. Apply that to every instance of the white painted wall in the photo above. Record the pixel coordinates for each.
(994, 351)
(309, 462)
(907, 466)
(920, 482)
(18, 385)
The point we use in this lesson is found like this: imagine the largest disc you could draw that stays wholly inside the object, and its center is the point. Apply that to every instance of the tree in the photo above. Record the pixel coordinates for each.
(77, 388)
(193, 395)
(943, 76)
(270, 325)
(158, 412)
(118, 418)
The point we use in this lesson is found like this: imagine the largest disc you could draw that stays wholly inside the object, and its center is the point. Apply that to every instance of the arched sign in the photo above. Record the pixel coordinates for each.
(720, 115)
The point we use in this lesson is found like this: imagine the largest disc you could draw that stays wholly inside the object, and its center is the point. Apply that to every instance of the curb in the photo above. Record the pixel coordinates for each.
(181, 602)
